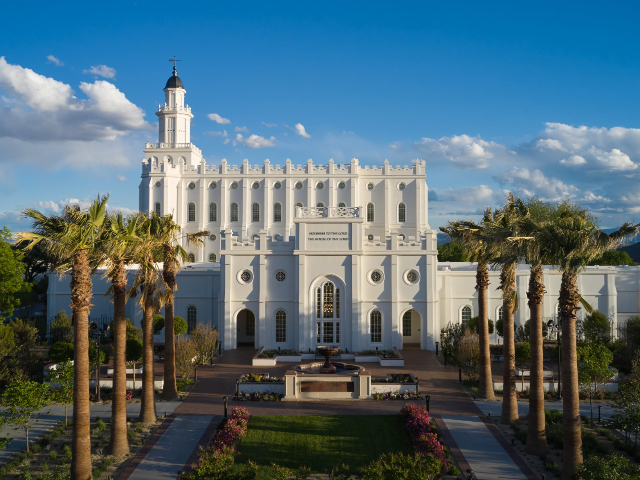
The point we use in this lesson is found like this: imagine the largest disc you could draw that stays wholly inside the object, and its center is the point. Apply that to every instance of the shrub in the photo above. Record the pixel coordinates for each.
(473, 325)
(53, 454)
(61, 328)
(93, 355)
(596, 328)
(180, 325)
(100, 425)
(134, 349)
(186, 355)
(611, 467)
(523, 332)
(279, 472)
(451, 341)
(61, 352)
(469, 354)
(399, 465)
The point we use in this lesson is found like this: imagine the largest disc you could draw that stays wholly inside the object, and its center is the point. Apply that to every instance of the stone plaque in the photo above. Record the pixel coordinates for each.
(335, 387)
(328, 236)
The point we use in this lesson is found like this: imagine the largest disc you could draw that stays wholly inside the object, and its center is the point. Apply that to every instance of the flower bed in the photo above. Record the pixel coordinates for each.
(277, 353)
(260, 377)
(394, 378)
(233, 430)
(396, 396)
(259, 397)
(425, 441)
(378, 353)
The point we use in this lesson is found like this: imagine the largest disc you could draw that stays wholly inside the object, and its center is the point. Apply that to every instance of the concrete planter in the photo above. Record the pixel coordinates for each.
(262, 387)
(256, 361)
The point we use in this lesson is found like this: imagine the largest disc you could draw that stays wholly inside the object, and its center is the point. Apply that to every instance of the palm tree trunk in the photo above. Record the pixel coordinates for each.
(118, 443)
(81, 287)
(485, 387)
(571, 433)
(509, 400)
(148, 403)
(536, 433)
(169, 390)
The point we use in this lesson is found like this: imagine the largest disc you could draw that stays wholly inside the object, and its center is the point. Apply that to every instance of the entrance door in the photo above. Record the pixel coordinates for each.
(246, 329)
(411, 327)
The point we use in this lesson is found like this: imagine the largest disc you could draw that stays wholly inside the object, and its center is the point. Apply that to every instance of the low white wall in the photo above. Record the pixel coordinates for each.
(392, 387)
(262, 387)
(553, 387)
(108, 382)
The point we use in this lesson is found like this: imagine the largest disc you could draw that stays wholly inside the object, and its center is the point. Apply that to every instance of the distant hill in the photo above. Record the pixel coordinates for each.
(633, 251)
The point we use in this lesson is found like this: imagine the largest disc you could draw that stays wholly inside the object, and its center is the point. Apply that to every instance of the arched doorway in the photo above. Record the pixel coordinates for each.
(411, 326)
(246, 323)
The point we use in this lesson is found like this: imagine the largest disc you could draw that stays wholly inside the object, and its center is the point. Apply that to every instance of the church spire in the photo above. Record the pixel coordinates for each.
(174, 117)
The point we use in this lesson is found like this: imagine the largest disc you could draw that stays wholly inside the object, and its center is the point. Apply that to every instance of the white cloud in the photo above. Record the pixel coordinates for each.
(255, 141)
(299, 128)
(269, 125)
(614, 160)
(590, 197)
(549, 144)
(462, 150)
(533, 182)
(55, 61)
(218, 119)
(573, 160)
(241, 129)
(227, 140)
(217, 134)
(101, 71)
(122, 178)
(396, 147)
(473, 195)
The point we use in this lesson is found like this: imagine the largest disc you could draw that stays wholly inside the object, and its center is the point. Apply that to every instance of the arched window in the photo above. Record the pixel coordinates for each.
(191, 318)
(299, 204)
(402, 213)
(342, 205)
(277, 212)
(406, 324)
(500, 313)
(320, 205)
(328, 313)
(213, 212)
(192, 258)
(234, 212)
(191, 212)
(370, 212)
(465, 315)
(281, 326)
(255, 212)
(212, 257)
(158, 207)
(376, 326)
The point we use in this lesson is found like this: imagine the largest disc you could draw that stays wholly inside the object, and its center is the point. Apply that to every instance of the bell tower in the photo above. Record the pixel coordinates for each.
(174, 117)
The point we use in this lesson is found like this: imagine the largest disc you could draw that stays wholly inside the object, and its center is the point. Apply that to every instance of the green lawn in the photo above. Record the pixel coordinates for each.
(322, 441)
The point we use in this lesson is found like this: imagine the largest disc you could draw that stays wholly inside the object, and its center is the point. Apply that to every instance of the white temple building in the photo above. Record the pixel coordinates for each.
(306, 255)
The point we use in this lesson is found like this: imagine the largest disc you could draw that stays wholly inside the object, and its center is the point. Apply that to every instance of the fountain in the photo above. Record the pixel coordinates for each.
(328, 367)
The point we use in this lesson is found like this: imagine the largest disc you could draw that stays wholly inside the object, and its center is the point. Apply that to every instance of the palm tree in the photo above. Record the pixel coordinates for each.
(118, 247)
(73, 238)
(573, 242)
(145, 281)
(168, 237)
(470, 236)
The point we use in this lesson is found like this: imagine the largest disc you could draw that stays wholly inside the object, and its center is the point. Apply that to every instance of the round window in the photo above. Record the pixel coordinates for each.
(376, 276)
(212, 237)
(341, 185)
(280, 276)
(320, 185)
(370, 186)
(412, 276)
(402, 237)
(256, 185)
(299, 185)
(277, 185)
(246, 276)
(234, 185)
(158, 184)
(370, 237)
(401, 186)
(192, 185)
(213, 185)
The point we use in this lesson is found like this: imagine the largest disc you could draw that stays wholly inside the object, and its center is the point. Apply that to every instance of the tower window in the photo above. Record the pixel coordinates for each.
(213, 212)
(255, 212)
(370, 212)
(158, 207)
(191, 212)
(277, 212)
(191, 318)
(376, 326)
(234, 212)
(212, 257)
(192, 258)
(406, 324)
(465, 315)
(342, 205)
(402, 213)
(281, 326)
(320, 205)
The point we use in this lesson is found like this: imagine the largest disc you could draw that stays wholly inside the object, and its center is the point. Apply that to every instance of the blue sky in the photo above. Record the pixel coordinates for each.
(538, 98)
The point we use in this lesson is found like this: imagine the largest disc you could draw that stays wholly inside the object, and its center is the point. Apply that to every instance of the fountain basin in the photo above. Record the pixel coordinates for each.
(353, 384)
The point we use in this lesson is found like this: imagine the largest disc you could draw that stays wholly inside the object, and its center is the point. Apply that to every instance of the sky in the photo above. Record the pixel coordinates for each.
(538, 98)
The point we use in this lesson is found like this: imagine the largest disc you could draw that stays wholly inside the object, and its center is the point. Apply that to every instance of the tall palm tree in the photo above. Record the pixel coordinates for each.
(573, 242)
(168, 237)
(119, 235)
(73, 238)
(471, 237)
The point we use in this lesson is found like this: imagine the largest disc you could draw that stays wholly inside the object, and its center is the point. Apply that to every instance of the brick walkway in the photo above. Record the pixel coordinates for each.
(435, 380)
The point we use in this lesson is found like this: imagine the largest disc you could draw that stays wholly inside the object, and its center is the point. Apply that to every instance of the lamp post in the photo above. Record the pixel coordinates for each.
(443, 336)
(97, 334)
(557, 329)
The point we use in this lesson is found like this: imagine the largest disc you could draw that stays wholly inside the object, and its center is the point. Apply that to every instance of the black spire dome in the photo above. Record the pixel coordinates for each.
(174, 80)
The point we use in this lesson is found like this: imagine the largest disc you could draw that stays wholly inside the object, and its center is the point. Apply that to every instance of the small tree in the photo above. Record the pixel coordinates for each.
(523, 331)
(627, 407)
(180, 325)
(134, 350)
(186, 356)
(158, 323)
(61, 328)
(7, 342)
(61, 352)
(451, 336)
(473, 325)
(206, 338)
(469, 354)
(25, 400)
(61, 381)
(596, 328)
(593, 365)
(523, 356)
(611, 467)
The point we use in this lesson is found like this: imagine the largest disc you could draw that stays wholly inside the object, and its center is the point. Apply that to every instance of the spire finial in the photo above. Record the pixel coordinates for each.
(175, 70)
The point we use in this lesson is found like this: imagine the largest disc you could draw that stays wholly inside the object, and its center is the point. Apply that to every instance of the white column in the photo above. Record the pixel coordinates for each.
(264, 339)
